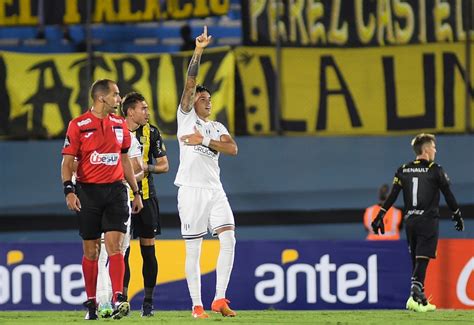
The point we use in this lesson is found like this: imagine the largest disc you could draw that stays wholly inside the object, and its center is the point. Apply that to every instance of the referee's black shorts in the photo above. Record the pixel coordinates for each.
(104, 207)
(422, 235)
(146, 224)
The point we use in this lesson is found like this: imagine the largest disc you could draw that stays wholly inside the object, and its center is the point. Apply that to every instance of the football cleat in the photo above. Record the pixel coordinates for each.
(415, 306)
(121, 307)
(198, 312)
(105, 310)
(221, 306)
(91, 310)
(429, 306)
(418, 295)
(147, 309)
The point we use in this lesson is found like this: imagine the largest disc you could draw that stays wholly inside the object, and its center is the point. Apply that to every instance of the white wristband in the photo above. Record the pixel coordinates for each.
(206, 141)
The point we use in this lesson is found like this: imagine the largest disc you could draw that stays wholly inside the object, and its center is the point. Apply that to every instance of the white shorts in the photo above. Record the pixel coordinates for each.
(202, 209)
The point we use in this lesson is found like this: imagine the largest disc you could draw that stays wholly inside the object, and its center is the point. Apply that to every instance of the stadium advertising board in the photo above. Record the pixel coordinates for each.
(40, 94)
(451, 280)
(336, 23)
(364, 91)
(25, 12)
(289, 275)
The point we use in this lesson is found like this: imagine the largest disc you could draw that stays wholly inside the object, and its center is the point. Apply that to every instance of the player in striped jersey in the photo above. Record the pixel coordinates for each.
(146, 224)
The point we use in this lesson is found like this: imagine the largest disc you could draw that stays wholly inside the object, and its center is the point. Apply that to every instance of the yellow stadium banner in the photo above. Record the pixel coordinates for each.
(66, 12)
(44, 92)
(364, 91)
(355, 23)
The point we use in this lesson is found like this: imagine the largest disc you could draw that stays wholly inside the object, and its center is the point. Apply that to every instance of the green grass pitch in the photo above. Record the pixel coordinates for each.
(379, 317)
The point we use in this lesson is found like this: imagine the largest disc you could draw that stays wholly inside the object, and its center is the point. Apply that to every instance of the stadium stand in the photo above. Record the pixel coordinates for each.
(134, 38)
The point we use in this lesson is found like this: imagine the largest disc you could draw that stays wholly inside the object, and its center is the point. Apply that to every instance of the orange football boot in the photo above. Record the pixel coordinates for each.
(198, 312)
(221, 306)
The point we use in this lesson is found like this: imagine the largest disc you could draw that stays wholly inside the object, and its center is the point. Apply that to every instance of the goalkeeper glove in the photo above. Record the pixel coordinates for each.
(378, 222)
(458, 221)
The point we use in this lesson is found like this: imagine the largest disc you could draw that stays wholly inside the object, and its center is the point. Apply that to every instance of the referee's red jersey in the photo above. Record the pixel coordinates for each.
(97, 143)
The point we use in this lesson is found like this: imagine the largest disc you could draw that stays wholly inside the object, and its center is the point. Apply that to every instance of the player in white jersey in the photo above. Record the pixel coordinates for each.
(202, 202)
(104, 285)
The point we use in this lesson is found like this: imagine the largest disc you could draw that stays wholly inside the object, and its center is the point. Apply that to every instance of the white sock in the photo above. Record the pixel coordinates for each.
(193, 269)
(104, 286)
(225, 262)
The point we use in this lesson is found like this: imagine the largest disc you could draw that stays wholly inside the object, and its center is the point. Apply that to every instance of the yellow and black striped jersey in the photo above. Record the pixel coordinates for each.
(153, 147)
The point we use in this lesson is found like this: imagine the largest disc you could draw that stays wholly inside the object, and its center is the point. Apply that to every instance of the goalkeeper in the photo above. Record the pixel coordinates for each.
(421, 181)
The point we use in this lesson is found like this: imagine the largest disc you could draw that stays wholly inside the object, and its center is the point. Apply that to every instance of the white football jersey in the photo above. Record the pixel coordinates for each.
(198, 165)
(135, 147)
(134, 151)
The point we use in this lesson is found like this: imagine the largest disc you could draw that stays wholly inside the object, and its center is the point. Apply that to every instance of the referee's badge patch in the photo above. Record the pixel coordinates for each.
(119, 134)
(66, 142)
(143, 139)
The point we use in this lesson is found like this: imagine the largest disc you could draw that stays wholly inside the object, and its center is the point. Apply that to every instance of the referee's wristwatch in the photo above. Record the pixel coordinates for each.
(138, 192)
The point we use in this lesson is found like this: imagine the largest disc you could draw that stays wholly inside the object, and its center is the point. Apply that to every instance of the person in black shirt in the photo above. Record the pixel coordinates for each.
(188, 40)
(421, 180)
(146, 224)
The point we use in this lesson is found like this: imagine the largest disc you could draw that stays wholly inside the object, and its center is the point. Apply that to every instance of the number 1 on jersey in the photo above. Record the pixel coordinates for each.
(415, 191)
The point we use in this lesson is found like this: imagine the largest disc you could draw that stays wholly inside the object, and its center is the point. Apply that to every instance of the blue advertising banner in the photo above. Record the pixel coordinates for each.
(267, 274)
(320, 275)
(37, 276)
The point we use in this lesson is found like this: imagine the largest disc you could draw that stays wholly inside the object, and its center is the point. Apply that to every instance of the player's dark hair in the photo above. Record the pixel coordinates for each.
(420, 140)
(383, 192)
(201, 88)
(100, 87)
(130, 100)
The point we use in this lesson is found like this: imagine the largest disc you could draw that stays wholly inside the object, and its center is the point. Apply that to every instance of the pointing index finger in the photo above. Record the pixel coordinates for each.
(205, 31)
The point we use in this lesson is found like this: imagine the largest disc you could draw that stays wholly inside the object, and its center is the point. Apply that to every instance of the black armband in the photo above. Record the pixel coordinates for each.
(69, 187)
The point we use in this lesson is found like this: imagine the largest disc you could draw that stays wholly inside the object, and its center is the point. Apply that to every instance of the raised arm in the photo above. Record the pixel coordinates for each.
(187, 98)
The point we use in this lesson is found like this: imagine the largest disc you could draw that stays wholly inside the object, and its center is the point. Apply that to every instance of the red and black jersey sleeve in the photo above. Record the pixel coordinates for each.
(127, 140)
(72, 141)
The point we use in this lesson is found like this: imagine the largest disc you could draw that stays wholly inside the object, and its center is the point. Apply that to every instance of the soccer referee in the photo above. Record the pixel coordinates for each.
(100, 140)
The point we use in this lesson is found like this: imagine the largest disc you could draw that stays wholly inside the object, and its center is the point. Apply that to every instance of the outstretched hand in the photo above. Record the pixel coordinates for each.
(203, 40)
(458, 221)
(378, 224)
